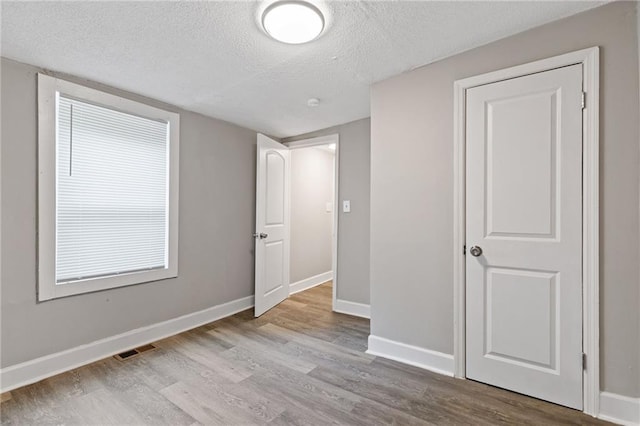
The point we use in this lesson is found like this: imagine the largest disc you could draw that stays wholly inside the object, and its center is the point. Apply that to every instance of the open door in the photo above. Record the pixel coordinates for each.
(272, 224)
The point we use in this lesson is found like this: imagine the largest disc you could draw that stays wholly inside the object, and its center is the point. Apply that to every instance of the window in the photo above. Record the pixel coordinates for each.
(108, 190)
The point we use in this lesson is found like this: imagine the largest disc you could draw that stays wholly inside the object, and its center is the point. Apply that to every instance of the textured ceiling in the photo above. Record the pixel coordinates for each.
(213, 58)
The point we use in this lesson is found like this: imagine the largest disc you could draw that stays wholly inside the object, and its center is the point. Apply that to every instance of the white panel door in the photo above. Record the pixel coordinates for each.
(524, 211)
(272, 225)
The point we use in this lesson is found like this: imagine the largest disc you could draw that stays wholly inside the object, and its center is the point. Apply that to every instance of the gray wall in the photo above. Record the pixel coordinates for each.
(411, 167)
(217, 205)
(311, 224)
(353, 228)
(638, 33)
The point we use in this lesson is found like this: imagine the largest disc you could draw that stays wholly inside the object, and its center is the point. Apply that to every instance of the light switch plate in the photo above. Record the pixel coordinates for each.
(329, 207)
(346, 206)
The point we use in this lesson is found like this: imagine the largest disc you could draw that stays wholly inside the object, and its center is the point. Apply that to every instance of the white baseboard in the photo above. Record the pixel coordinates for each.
(352, 308)
(619, 409)
(310, 282)
(32, 371)
(412, 355)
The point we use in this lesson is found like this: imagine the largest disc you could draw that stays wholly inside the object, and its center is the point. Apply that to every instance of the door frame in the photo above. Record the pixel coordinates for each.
(589, 58)
(318, 141)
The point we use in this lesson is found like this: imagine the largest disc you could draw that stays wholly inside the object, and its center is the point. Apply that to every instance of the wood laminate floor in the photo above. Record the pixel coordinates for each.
(299, 364)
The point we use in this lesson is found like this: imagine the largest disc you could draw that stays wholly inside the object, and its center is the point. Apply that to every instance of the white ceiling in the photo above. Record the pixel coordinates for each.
(213, 58)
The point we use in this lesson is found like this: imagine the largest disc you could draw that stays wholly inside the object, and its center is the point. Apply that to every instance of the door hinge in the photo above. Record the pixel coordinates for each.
(584, 361)
(464, 250)
(584, 100)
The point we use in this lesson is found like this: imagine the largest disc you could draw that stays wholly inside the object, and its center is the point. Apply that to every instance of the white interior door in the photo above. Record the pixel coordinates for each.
(272, 225)
(524, 211)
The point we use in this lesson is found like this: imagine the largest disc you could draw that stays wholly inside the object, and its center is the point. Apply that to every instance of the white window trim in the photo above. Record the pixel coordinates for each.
(48, 87)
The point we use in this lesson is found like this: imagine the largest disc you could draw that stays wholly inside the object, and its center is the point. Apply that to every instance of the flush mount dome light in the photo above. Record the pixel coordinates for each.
(293, 22)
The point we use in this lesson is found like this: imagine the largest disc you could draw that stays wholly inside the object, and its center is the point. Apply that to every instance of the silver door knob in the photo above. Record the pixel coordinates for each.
(475, 251)
(261, 235)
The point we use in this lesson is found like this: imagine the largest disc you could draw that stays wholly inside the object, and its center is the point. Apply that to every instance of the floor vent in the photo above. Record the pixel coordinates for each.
(126, 355)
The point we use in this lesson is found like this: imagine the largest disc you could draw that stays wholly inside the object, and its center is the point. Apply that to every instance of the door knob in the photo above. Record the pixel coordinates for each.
(261, 235)
(475, 251)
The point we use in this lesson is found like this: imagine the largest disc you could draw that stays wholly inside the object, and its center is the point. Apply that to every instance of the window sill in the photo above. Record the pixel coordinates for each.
(54, 291)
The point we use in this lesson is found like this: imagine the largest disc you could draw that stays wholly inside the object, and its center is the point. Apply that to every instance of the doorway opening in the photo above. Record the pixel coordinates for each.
(313, 214)
(315, 217)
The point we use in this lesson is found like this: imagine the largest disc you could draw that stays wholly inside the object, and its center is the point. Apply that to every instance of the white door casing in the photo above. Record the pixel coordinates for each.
(272, 225)
(524, 209)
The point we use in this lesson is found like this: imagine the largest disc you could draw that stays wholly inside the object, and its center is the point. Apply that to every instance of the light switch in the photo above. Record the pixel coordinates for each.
(329, 207)
(346, 206)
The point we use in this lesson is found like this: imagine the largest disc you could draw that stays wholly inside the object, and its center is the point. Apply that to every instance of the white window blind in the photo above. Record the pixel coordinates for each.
(112, 186)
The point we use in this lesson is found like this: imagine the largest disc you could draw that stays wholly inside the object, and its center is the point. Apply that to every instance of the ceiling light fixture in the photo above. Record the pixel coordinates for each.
(293, 22)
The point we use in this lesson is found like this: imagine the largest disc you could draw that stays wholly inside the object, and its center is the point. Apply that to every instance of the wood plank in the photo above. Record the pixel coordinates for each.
(262, 345)
(136, 386)
(214, 408)
(288, 383)
(102, 406)
(207, 358)
(316, 348)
